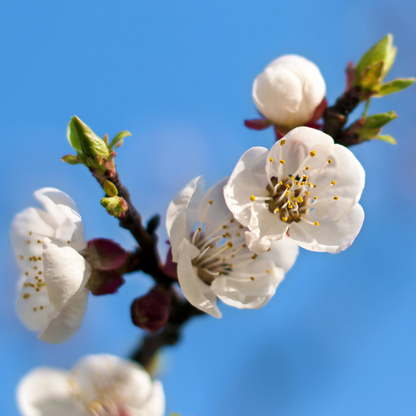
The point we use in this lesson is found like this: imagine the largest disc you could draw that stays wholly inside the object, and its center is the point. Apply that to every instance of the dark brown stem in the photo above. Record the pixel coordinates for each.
(336, 116)
(180, 312)
(147, 259)
(148, 254)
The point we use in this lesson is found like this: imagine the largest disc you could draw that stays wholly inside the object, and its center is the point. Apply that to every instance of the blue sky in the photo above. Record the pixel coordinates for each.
(339, 337)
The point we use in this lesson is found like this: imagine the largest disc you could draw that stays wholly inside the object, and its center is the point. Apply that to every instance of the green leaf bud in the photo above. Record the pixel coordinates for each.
(115, 206)
(110, 189)
(71, 159)
(91, 145)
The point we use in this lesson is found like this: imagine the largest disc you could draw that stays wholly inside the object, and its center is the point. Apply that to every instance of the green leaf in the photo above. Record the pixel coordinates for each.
(394, 86)
(387, 138)
(377, 121)
(71, 159)
(389, 60)
(379, 52)
(72, 136)
(120, 136)
(110, 189)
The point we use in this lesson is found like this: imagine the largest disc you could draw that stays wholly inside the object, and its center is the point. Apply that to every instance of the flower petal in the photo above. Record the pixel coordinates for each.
(349, 177)
(265, 227)
(154, 405)
(248, 178)
(282, 252)
(330, 236)
(212, 208)
(295, 152)
(65, 273)
(69, 320)
(187, 199)
(194, 289)
(127, 379)
(28, 227)
(29, 303)
(46, 392)
(241, 290)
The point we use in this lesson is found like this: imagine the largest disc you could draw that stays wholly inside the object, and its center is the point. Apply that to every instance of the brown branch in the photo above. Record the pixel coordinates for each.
(147, 259)
(336, 116)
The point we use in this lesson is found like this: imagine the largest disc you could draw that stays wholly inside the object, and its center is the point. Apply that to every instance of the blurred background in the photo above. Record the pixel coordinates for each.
(339, 336)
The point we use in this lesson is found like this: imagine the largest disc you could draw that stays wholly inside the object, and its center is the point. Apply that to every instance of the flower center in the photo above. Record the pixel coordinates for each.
(293, 196)
(218, 249)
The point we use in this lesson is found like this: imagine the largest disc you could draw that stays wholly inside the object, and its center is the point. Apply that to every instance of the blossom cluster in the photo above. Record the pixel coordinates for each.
(233, 243)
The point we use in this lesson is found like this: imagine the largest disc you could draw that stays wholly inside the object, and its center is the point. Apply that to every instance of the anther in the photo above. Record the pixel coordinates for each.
(224, 227)
(284, 219)
(37, 289)
(232, 220)
(306, 167)
(35, 309)
(276, 210)
(30, 232)
(28, 241)
(229, 244)
(41, 307)
(220, 273)
(282, 161)
(26, 273)
(68, 241)
(210, 202)
(26, 296)
(22, 257)
(315, 198)
(253, 198)
(287, 186)
(333, 182)
(329, 160)
(35, 268)
(282, 142)
(252, 278)
(244, 245)
(336, 198)
(39, 258)
(30, 259)
(312, 153)
(267, 271)
(240, 226)
(271, 159)
(316, 223)
(39, 241)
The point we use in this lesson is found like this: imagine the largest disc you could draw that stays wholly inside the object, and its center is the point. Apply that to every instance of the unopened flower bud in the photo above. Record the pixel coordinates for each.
(289, 91)
(104, 282)
(105, 254)
(151, 312)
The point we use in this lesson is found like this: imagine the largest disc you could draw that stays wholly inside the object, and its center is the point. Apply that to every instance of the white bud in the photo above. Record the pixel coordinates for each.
(289, 90)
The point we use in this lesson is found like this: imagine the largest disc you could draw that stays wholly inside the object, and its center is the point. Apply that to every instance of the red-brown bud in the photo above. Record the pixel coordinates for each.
(151, 311)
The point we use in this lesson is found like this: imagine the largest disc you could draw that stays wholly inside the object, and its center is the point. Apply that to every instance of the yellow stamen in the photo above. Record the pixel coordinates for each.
(312, 153)
(284, 219)
(271, 159)
(336, 198)
(253, 198)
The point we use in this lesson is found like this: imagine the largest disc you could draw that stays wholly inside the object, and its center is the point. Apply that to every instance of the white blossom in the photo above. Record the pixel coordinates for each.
(212, 257)
(51, 291)
(288, 91)
(98, 385)
(306, 187)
